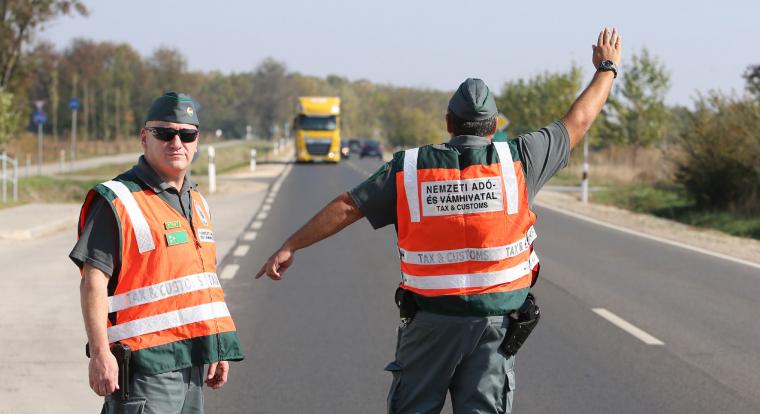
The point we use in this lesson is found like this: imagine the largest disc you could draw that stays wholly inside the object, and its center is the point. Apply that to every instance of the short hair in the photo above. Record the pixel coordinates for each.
(482, 128)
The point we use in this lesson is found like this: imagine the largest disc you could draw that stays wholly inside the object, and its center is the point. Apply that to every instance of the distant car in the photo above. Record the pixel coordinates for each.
(345, 150)
(355, 145)
(372, 148)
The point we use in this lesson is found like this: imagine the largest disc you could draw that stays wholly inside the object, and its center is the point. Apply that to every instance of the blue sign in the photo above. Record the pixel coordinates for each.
(73, 104)
(39, 118)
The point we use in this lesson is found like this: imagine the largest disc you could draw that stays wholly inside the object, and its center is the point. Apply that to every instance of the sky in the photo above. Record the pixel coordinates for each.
(706, 45)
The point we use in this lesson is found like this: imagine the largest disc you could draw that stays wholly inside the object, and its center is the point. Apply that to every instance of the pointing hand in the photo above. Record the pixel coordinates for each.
(277, 264)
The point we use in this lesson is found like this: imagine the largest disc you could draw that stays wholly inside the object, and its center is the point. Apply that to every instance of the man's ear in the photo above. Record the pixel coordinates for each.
(449, 125)
(143, 138)
(493, 131)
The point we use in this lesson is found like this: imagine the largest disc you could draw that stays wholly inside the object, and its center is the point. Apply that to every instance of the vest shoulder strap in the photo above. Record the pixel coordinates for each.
(508, 173)
(140, 225)
(410, 183)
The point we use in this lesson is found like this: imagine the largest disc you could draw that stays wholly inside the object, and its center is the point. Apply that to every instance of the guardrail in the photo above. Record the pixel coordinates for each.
(5, 160)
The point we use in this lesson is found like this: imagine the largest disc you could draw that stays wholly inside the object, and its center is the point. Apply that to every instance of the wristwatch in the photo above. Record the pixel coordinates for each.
(606, 66)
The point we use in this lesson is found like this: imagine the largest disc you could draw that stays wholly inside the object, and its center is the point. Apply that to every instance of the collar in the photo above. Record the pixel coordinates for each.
(148, 175)
(469, 141)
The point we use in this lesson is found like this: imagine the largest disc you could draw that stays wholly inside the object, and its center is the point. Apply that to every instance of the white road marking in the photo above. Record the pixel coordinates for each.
(358, 169)
(262, 216)
(229, 271)
(628, 327)
(256, 225)
(241, 250)
(651, 237)
(249, 235)
(266, 207)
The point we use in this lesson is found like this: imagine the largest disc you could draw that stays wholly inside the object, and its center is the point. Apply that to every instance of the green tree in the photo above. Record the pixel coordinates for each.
(719, 149)
(272, 104)
(10, 117)
(531, 104)
(19, 22)
(636, 112)
(752, 76)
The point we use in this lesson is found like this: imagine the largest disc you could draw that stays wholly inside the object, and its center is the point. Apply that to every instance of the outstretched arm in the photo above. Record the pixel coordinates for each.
(588, 105)
(335, 216)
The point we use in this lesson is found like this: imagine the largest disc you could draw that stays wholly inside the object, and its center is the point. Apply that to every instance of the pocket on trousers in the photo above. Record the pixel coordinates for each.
(393, 395)
(133, 406)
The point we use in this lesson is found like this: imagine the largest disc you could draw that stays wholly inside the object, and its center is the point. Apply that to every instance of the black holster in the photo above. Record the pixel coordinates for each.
(123, 355)
(521, 324)
(407, 306)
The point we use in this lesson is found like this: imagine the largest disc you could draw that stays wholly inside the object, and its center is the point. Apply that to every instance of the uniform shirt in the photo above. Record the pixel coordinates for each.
(99, 243)
(543, 152)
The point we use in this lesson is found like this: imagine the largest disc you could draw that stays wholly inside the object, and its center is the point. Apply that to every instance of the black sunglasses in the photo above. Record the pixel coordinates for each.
(167, 134)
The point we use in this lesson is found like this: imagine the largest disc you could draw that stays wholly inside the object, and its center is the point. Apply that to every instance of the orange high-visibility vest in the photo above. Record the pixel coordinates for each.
(464, 231)
(167, 303)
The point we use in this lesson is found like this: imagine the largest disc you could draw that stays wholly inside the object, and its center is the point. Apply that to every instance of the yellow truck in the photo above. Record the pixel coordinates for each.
(317, 129)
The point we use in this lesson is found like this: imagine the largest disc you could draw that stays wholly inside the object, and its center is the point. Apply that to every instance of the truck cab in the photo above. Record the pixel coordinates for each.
(317, 129)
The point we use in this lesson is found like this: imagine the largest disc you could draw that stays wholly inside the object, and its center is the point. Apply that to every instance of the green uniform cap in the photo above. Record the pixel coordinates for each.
(473, 101)
(173, 107)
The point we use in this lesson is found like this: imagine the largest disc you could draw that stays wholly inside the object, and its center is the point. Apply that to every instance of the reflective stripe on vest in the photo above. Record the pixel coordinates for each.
(472, 280)
(205, 205)
(163, 290)
(144, 239)
(410, 183)
(489, 254)
(167, 320)
(508, 172)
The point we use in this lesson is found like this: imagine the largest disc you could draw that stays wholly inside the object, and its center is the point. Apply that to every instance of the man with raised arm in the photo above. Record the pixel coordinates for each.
(462, 212)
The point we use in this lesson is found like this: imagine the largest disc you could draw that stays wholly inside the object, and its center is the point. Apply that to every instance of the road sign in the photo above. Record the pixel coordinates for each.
(73, 104)
(502, 122)
(39, 118)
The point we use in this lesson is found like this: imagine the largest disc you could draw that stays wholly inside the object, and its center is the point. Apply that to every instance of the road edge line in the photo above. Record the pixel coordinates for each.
(650, 236)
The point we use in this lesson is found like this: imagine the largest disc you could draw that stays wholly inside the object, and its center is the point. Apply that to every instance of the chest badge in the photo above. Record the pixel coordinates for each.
(171, 225)
(201, 214)
(205, 236)
(177, 237)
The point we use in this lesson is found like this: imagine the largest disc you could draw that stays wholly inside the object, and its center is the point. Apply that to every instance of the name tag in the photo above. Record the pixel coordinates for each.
(178, 237)
(469, 196)
(205, 236)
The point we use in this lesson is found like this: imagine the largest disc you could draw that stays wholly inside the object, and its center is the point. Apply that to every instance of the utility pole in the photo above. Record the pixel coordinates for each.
(584, 181)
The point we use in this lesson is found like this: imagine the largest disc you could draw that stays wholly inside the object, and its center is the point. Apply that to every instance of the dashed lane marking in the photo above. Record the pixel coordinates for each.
(628, 327)
(256, 225)
(262, 216)
(229, 271)
(241, 250)
(249, 235)
(266, 207)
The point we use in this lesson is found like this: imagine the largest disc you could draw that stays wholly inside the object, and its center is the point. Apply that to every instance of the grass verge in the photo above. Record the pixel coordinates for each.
(673, 203)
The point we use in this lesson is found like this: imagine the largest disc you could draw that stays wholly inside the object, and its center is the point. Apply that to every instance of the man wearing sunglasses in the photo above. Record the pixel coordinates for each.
(147, 256)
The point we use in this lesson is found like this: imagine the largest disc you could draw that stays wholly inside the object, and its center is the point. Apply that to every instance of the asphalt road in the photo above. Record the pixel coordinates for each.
(317, 341)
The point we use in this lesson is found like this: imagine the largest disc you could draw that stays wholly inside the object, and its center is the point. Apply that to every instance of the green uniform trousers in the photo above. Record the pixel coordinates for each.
(174, 392)
(436, 354)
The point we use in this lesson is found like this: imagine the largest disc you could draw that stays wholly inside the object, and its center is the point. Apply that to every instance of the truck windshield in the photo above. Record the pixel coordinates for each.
(317, 123)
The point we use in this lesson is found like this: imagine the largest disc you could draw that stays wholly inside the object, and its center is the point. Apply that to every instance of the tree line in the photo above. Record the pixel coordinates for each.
(712, 146)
